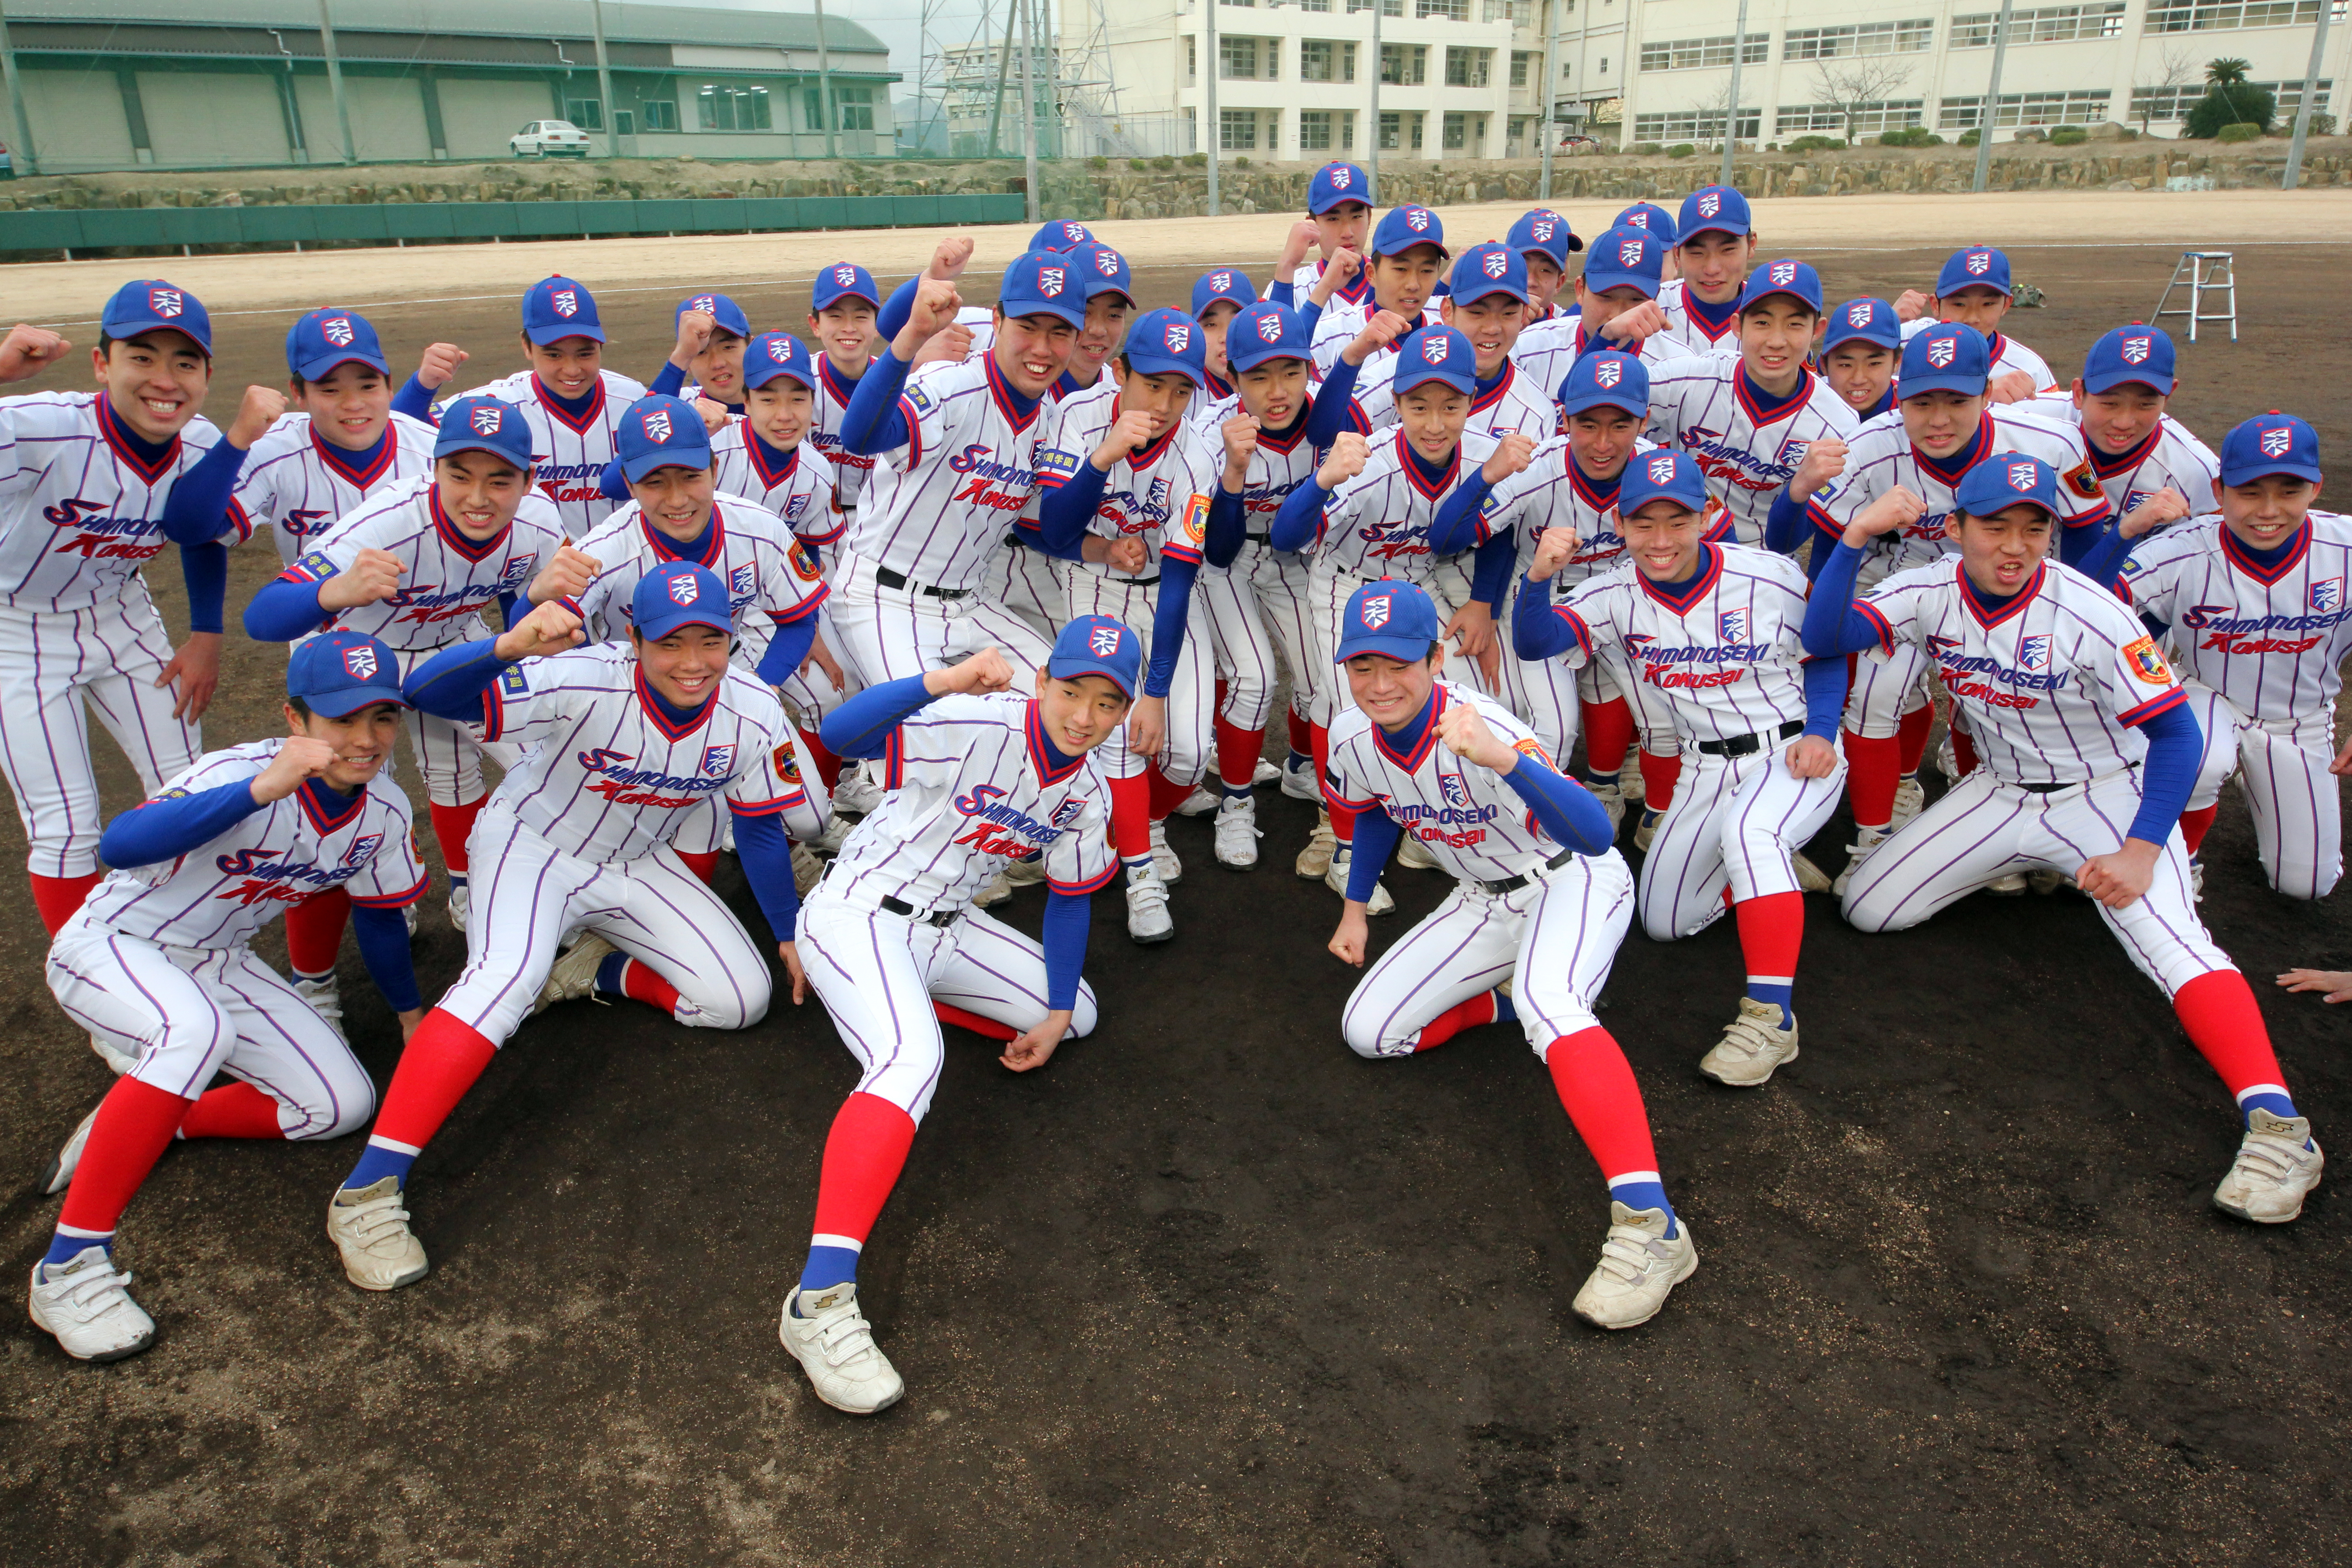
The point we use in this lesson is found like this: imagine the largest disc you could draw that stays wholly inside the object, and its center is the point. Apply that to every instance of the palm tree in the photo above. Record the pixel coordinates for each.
(2224, 74)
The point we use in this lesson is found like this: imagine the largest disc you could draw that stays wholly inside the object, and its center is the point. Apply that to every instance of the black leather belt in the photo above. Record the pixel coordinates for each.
(1259, 538)
(2057, 789)
(1513, 884)
(1151, 582)
(1750, 744)
(905, 911)
(1015, 541)
(889, 579)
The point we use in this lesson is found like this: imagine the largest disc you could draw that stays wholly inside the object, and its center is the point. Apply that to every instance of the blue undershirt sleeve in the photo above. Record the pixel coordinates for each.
(1310, 312)
(1832, 625)
(284, 609)
(787, 648)
(861, 726)
(1065, 509)
(666, 380)
(1283, 293)
(1567, 810)
(2105, 561)
(1455, 526)
(1490, 570)
(1825, 696)
(874, 422)
(896, 309)
(1301, 517)
(2175, 745)
(1334, 409)
(451, 682)
(1535, 632)
(767, 856)
(414, 399)
(197, 511)
(162, 830)
(1376, 840)
(205, 569)
(1068, 916)
(1228, 528)
(613, 484)
(383, 936)
(1787, 526)
(1168, 618)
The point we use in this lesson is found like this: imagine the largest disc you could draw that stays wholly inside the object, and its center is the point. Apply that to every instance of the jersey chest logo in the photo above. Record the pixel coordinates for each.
(101, 538)
(999, 828)
(363, 849)
(300, 523)
(1731, 626)
(2326, 595)
(718, 761)
(269, 874)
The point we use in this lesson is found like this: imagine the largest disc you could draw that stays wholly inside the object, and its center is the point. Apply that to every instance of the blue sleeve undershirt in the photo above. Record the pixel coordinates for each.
(1283, 293)
(1301, 517)
(1376, 840)
(2076, 543)
(874, 423)
(787, 649)
(451, 682)
(383, 936)
(666, 380)
(205, 569)
(1535, 632)
(1068, 916)
(1065, 509)
(1310, 312)
(861, 726)
(1825, 696)
(1786, 528)
(1455, 526)
(197, 511)
(414, 399)
(1567, 811)
(1176, 579)
(1228, 528)
(2175, 746)
(2103, 561)
(613, 484)
(284, 609)
(1490, 570)
(767, 856)
(1834, 626)
(896, 310)
(162, 829)
(1335, 408)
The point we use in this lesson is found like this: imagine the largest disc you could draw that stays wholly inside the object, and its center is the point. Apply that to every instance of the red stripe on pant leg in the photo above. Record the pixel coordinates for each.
(2224, 1023)
(1608, 733)
(1167, 794)
(2196, 824)
(1130, 817)
(1912, 734)
(440, 1063)
(827, 765)
(1872, 769)
(1771, 932)
(453, 824)
(57, 898)
(314, 931)
(1479, 1009)
(987, 1028)
(1596, 1086)
(703, 863)
(134, 1123)
(1659, 777)
(232, 1110)
(1238, 750)
(1302, 739)
(863, 1156)
(640, 984)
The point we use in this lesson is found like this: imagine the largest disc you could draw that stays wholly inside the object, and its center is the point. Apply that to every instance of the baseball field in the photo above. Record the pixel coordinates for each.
(1210, 1289)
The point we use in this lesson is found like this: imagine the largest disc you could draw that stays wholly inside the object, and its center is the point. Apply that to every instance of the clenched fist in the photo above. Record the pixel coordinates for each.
(1824, 460)
(694, 330)
(29, 350)
(950, 258)
(1349, 452)
(299, 757)
(1384, 327)
(1240, 433)
(262, 408)
(2167, 505)
(984, 671)
(549, 628)
(1466, 734)
(1131, 429)
(1554, 546)
(438, 363)
(1897, 508)
(1511, 455)
(374, 576)
(566, 574)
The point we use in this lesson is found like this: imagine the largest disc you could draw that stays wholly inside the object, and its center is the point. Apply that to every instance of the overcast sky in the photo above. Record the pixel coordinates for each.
(898, 23)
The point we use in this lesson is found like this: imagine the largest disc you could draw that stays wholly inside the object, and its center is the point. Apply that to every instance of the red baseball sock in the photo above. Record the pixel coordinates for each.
(1872, 770)
(1596, 1086)
(1130, 818)
(1221, 696)
(232, 1110)
(57, 898)
(640, 983)
(2225, 1024)
(988, 1028)
(1607, 734)
(134, 1123)
(703, 863)
(440, 1063)
(314, 931)
(1167, 794)
(827, 765)
(1964, 753)
(1302, 737)
(1771, 934)
(1659, 776)
(1913, 734)
(863, 1156)
(453, 824)
(1479, 1009)
(1238, 750)
(2196, 823)
(1343, 821)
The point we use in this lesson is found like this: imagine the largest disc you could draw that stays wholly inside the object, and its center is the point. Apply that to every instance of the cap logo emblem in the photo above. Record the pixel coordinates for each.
(1434, 349)
(1629, 253)
(1076, 233)
(1542, 229)
(1269, 328)
(1108, 263)
(1220, 281)
(845, 277)
(2136, 350)
(705, 303)
(360, 661)
(1783, 274)
(2277, 440)
(1608, 373)
(166, 302)
(1637, 220)
(1709, 204)
(2021, 478)
(488, 419)
(1103, 641)
(1941, 351)
(780, 351)
(1376, 612)
(1050, 280)
(1662, 470)
(1979, 263)
(657, 425)
(337, 331)
(1494, 264)
(1179, 337)
(1417, 218)
(684, 589)
(566, 302)
(1341, 176)
(1858, 314)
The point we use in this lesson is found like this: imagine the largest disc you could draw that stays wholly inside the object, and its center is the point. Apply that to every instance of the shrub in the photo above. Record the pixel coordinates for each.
(1139, 164)
(2238, 103)
(1910, 136)
(1163, 164)
(1970, 138)
(2247, 132)
(2321, 124)
(1097, 163)
(2068, 136)
(1244, 164)
(1679, 150)
(1645, 149)
(1196, 160)
(1816, 144)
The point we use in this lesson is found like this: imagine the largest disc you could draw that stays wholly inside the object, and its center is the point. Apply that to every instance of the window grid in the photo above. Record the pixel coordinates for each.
(1326, 59)
(1870, 119)
(1405, 65)
(1468, 67)
(1864, 38)
(2051, 25)
(1694, 125)
(2169, 103)
(2239, 13)
(1692, 54)
(1237, 129)
(2025, 109)
(1520, 67)
(1444, 10)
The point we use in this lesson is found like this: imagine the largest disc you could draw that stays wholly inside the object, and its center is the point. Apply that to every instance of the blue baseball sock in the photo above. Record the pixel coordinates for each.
(1639, 1190)
(608, 974)
(1777, 995)
(1504, 1012)
(1235, 792)
(829, 1265)
(376, 1162)
(66, 1246)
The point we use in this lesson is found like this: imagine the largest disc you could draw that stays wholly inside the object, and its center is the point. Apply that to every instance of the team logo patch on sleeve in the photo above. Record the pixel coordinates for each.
(1532, 747)
(317, 566)
(1051, 463)
(803, 567)
(514, 683)
(2147, 664)
(2083, 481)
(788, 764)
(1196, 520)
(2328, 595)
(718, 761)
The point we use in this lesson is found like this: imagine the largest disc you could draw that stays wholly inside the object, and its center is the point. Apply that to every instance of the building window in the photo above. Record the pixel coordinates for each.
(721, 107)
(2206, 18)
(1392, 128)
(2051, 25)
(1315, 131)
(1468, 67)
(1315, 4)
(1868, 39)
(1392, 8)
(1237, 57)
(1689, 54)
(2169, 103)
(1869, 120)
(659, 114)
(1236, 2)
(1456, 132)
(2025, 108)
(1405, 65)
(855, 107)
(1237, 129)
(1446, 10)
(1694, 125)
(1325, 59)
(1192, 60)
(588, 113)
(1521, 59)
(1417, 123)
(625, 123)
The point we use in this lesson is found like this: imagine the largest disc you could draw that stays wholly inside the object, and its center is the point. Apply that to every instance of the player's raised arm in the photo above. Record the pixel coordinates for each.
(1835, 624)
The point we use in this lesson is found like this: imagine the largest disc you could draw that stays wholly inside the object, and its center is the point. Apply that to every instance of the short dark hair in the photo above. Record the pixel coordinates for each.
(106, 346)
(301, 708)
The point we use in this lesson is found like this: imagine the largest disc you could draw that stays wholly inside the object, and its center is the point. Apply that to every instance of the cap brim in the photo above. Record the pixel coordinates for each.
(1618, 400)
(1237, 301)
(1436, 245)
(1340, 199)
(543, 336)
(780, 372)
(1404, 649)
(1504, 289)
(1600, 282)
(1713, 225)
(351, 699)
(1400, 384)
(1054, 307)
(1238, 363)
(637, 469)
(1157, 364)
(1748, 301)
(838, 295)
(1966, 386)
(1834, 342)
(2114, 379)
(1077, 669)
(2252, 472)
(312, 370)
(1946, 287)
(447, 448)
(663, 625)
(119, 330)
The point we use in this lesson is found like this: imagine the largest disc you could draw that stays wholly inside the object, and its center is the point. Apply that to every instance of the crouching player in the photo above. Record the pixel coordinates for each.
(1540, 901)
(159, 963)
(979, 773)
(2090, 750)
(624, 742)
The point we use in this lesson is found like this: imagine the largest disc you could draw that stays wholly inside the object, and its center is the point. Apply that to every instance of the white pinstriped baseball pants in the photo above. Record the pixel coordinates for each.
(1256, 605)
(1028, 582)
(1734, 823)
(889, 634)
(2295, 801)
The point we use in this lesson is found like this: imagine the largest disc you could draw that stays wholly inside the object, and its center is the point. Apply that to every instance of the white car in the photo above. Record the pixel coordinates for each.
(548, 138)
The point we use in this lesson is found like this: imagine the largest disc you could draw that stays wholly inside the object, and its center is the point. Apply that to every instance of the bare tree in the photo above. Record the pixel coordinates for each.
(2181, 69)
(1718, 108)
(1852, 85)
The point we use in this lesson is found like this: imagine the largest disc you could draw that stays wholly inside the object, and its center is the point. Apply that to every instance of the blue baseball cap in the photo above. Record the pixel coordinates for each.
(1543, 232)
(1868, 319)
(772, 355)
(1974, 266)
(1648, 215)
(1402, 228)
(2128, 356)
(1167, 343)
(1097, 645)
(1061, 235)
(843, 281)
(1716, 208)
(1041, 284)
(658, 431)
(2006, 480)
(1262, 331)
(1104, 270)
(557, 307)
(725, 314)
(2267, 444)
(486, 425)
(1948, 357)
(1661, 475)
(147, 303)
(1226, 283)
(1436, 354)
(341, 672)
(326, 338)
(1484, 270)
(1606, 378)
(678, 593)
(1334, 183)
(1626, 257)
(1392, 617)
(1795, 278)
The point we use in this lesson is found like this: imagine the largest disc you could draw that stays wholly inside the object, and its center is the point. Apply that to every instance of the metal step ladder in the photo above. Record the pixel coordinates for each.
(2202, 272)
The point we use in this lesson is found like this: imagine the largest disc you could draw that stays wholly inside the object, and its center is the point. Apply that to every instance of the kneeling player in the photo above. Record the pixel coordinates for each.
(159, 963)
(623, 742)
(2089, 751)
(1529, 933)
(979, 773)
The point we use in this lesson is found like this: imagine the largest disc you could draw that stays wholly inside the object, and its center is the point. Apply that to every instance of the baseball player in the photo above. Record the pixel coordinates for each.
(1654, 219)
(1859, 351)
(1714, 245)
(1616, 309)
(1713, 629)
(1540, 902)
(415, 566)
(2153, 470)
(572, 403)
(1218, 295)
(842, 304)
(973, 331)
(980, 771)
(160, 960)
(2089, 749)
(1544, 240)
(1338, 214)
(1487, 303)
(622, 742)
(1974, 287)
(707, 363)
(1407, 259)
(2254, 598)
(769, 455)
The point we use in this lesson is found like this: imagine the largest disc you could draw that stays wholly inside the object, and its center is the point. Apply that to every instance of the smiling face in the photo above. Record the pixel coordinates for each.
(1099, 339)
(1544, 279)
(1433, 415)
(2117, 420)
(1600, 309)
(1162, 396)
(1342, 228)
(1032, 352)
(479, 491)
(1715, 265)
(569, 367)
(1079, 714)
(154, 382)
(1403, 282)
(1213, 322)
(1860, 373)
(362, 739)
(1776, 333)
(1664, 539)
(781, 412)
(2000, 553)
(1491, 325)
(1941, 423)
(685, 667)
(719, 368)
(1391, 691)
(844, 331)
(349, 406)
(1979, 305)
(1601, 440)
(676, 501)
(1274, 391)
(2264, 512)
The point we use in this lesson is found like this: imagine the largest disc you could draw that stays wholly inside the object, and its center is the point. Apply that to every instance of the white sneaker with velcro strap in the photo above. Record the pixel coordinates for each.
(1164, 859)
(1237, 833)
(87, 1304)
(1639, 1266)
(834, 1345)
(1414, 856)
(2276, 1167)
(326, 999)
(1754, 1044)
(370, 1230)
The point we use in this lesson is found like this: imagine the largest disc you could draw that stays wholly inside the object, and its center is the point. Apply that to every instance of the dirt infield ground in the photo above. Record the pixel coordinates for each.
(1211, 1289)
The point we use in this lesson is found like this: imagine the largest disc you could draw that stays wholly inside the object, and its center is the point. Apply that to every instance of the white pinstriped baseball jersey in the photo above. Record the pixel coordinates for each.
(1551, 491)
(2270, 640)
(1688, 331)
(297, 487)
(1880, 457)
(1516, 401)
(1278, 467)
(605, 776)
(2052, 681)
(567, 456)
(1159, 493)
(449, 579)
(1724, 652)
(747, 546)
(1378, 523)
(940, 505)
(1339, 323)
(801, 490)
(79, 513)
(1309, 273)
(2172, 456)
(1476, 826)
(219, 895)
(851, 470)
(972, 786)
(1747, 446)
(1549, 349)
(2006, 354)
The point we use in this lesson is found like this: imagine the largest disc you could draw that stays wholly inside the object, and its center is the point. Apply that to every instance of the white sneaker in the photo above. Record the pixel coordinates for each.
(1335, 879)
(1147, 907)
(807, 869)
(1298, 782)
(408, 914)
(1948, 760)
(1629, 777)
(117, 1061)
(86, 1303)
(1865, 839)
(326, 999)
(835, 1348)
(1753, 1043)
(1163, 859)
(1638, 1266)
(1025, 873)
(1647, 832)
(856, 793)
(996, 892)
(1414, 856)
(1264, 774)
(2277, 1165)
(2008, 885)
(57, 1175)
(836, 833)
(1314, 862)
(370, 1229)
(2046, 881)
(1810, 878)
(460, 904)
(1910, 800)
(1237, 833)
(1202, 802)
(574, 974)
(1612, 801)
